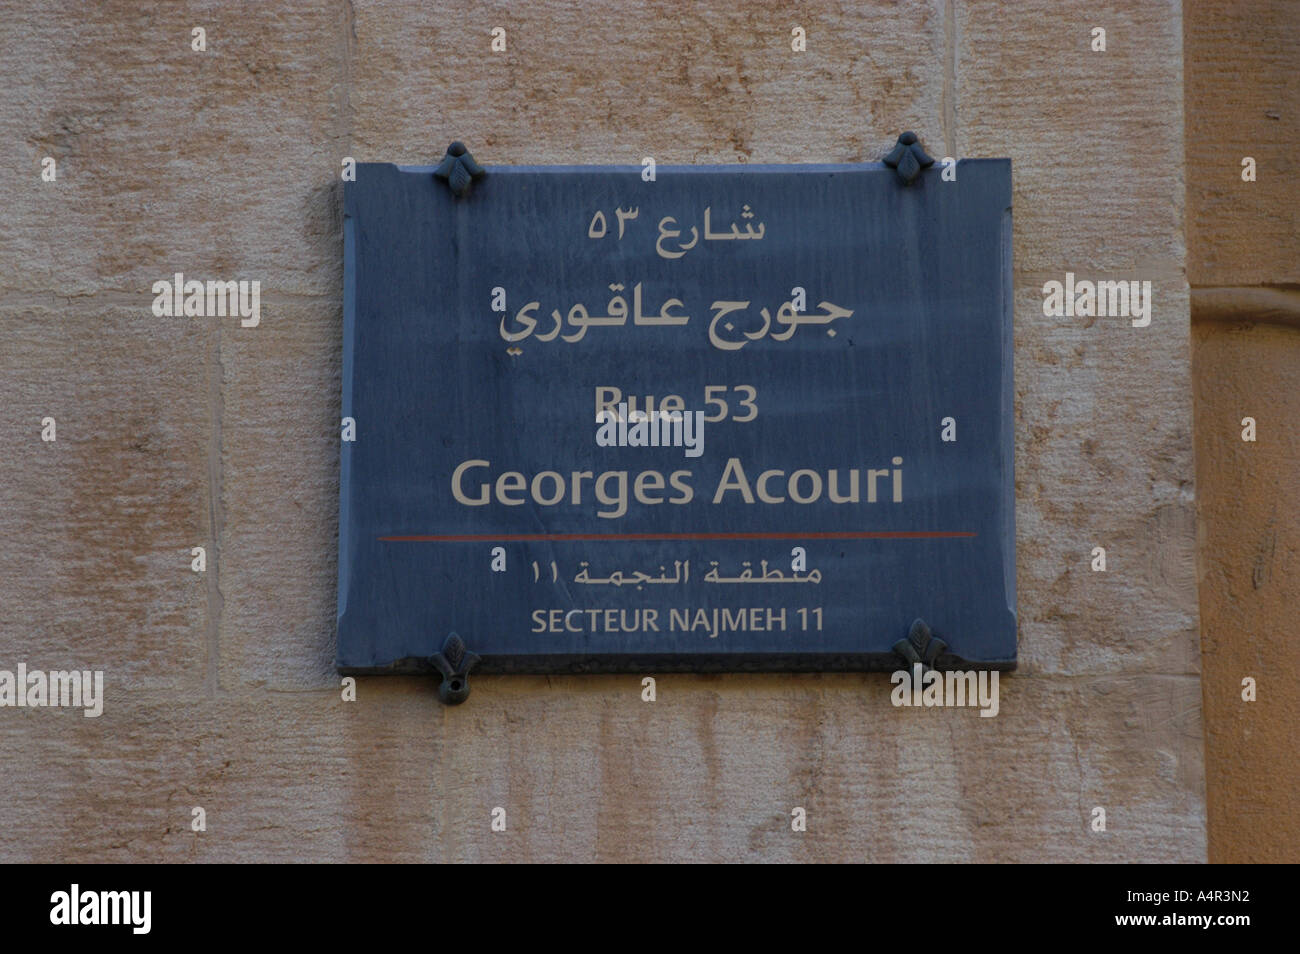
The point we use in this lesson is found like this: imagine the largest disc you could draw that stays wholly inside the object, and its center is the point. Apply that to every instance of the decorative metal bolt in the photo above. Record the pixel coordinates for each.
(454, 662)
(920, 646)
(908, 158)
(459, 169)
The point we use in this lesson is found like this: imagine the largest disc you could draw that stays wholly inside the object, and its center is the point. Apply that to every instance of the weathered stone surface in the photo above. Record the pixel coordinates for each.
(1243, 253)
(216, 163)
(220, 690)
(1250, 585)
(586, 771)
(1104, 459)
(1103, 409)
(684, 83)
(1243, 99)
(278, 513)
(1095, 138)
(98, 525)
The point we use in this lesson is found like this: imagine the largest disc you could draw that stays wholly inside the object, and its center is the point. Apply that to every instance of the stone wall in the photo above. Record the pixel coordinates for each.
(175, 432)
(1243, 262)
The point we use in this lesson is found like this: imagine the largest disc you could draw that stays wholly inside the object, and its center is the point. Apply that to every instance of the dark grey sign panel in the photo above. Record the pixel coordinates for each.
(822, 362)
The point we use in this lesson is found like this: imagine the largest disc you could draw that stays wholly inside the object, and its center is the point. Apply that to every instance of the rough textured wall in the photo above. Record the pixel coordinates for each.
(1250, 585)
(181, 432)
(1243, 91)
(1243, 262)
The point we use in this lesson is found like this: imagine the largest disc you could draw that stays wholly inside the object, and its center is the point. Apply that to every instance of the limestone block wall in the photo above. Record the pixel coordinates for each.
(182, 432)
(1243, 263)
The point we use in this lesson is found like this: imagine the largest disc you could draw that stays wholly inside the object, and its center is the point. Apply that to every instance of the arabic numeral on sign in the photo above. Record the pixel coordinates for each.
(804, 612)
(747, 402)
(710, 399)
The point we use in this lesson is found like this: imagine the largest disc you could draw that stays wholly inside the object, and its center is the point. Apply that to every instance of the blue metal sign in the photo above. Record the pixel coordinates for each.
(753, 417)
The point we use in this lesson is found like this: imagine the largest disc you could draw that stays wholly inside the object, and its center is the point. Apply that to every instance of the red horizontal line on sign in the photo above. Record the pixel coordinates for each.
(826, 535)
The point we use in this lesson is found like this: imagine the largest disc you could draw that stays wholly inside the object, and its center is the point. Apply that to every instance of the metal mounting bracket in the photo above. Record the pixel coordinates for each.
(454, 662)
(459, 169)
(908, 158)
(921, 646)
